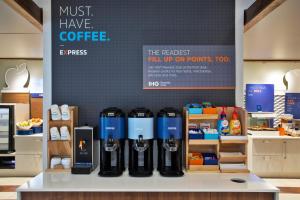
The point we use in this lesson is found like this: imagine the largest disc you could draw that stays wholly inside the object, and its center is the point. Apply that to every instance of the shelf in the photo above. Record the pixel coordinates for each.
(35, 135)
(233, 168)
(204, 168)
(59, 141)
(233, 159)
(234, 139)
(235, 171)
(8, 172)
(203, 142)
(263, 115)
(59, 123)
(58, 170)
(7, 154)
(203, 116)
(60, 147)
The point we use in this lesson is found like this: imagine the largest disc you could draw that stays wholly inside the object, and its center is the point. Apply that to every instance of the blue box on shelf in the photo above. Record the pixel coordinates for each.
(210, 159)
(37, 129)
(211, 136)
(25, 132)
(195, 111)
(194, 108)
(196, 136)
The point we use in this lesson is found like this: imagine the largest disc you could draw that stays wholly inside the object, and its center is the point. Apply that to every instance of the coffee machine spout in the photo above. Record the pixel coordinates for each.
(140, 144)
(111, 144)
(171, 145)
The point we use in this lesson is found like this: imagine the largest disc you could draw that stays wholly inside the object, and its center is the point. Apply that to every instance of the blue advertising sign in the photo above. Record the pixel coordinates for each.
(188, 67)
(260, 97)
(292, 104)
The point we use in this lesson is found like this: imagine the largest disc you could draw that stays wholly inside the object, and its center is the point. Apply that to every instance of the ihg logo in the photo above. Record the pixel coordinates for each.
(153, 84)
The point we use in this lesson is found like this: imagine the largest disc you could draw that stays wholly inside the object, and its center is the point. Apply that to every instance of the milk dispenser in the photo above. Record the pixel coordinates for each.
(112, 135)
(140, 135)
(169, 142)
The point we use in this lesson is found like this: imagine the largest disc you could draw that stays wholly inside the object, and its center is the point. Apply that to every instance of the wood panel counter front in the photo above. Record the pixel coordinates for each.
(192, 186)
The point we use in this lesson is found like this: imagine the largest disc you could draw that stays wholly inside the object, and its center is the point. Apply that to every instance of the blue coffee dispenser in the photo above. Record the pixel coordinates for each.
(169, 125)
(112, 140)
(140, 135)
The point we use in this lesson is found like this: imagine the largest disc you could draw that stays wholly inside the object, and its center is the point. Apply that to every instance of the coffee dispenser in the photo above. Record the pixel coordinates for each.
(112, 140)
(169, 125)
(140, 135)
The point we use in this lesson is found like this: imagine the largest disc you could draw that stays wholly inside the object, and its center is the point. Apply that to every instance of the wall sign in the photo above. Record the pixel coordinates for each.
(97, 58)
(77, 27)
(189, 67)
(260, 97)
(292, 104)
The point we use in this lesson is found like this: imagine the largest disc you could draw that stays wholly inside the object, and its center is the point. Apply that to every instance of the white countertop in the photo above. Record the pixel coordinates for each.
(190, 182)
(37, 135)
(286, 137)
(269, 135)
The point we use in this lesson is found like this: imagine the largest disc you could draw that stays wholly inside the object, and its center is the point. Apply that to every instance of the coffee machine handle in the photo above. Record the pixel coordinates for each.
(140, 145)
(111, 144)
(171, 144)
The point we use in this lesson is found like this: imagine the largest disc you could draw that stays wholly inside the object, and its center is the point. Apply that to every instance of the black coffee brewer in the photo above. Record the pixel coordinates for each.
(112, 135)
(140, 135)
(169, 142)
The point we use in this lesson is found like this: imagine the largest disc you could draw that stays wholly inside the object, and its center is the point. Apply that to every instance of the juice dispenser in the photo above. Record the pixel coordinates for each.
(140, 135)
(112, 140)
(169, 142)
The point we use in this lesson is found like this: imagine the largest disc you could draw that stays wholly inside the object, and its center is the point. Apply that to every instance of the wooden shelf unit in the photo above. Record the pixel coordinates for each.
(61, 148)
(216, 146)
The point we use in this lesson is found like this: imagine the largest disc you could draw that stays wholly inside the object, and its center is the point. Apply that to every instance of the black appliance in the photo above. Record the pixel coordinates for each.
(112, 135)
(169, 127)
(7, 129)
(86, 150)
(140, 135)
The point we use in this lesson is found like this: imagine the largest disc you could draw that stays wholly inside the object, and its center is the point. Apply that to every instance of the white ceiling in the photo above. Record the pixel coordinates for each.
(277, 36)
(12, 22)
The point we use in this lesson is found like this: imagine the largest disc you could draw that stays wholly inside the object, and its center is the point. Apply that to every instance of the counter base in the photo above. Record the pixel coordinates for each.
(147, 196)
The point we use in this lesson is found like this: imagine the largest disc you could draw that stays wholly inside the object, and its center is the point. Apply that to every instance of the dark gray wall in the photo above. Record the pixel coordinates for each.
(111, 74)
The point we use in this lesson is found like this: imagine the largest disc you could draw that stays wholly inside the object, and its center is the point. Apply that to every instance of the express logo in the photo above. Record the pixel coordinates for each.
(73, 52)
